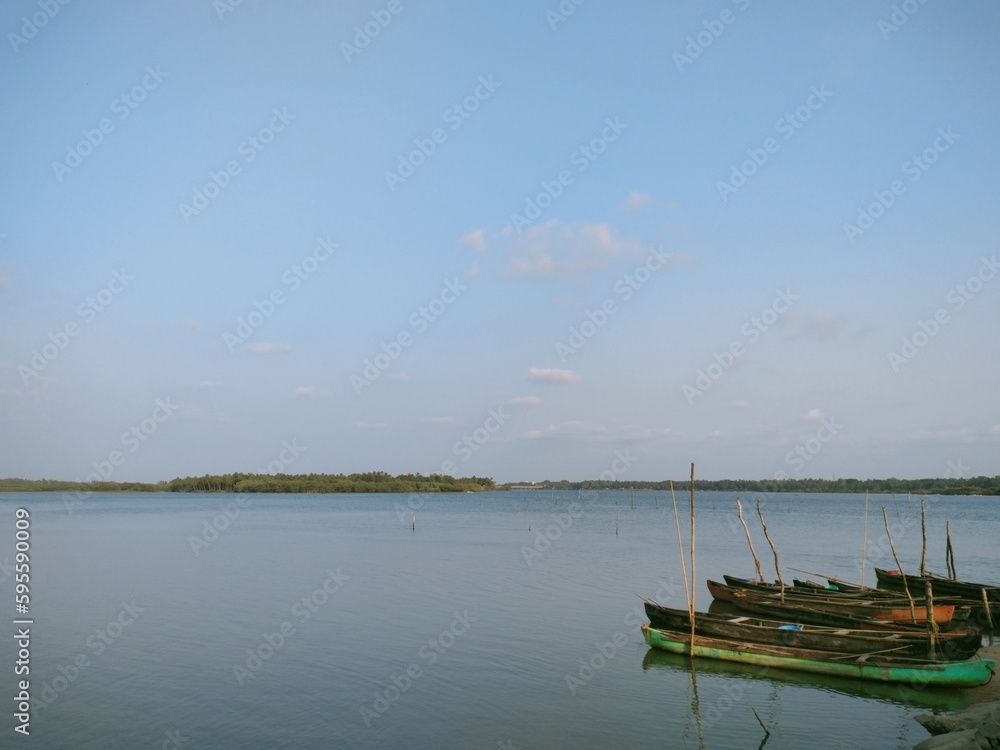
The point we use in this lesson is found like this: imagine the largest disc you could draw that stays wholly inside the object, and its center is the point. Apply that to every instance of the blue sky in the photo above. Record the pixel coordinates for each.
(521, 241)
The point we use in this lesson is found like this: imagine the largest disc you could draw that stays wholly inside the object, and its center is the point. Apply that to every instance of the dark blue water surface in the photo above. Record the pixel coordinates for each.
(318, 621)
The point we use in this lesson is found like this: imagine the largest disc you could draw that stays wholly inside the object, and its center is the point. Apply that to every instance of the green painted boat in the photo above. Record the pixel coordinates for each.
(866, 667)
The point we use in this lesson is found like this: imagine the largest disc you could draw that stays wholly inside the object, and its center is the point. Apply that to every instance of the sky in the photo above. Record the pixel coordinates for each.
(528, 240)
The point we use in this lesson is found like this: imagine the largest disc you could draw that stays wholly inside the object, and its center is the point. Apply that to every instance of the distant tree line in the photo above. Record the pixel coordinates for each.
(953, 486)
(381, 481)
(371, 481)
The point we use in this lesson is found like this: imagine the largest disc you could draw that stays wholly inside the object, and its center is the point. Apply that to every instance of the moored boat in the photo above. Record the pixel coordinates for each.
(868, 667)
(826, 612)
(942, 585)
(952, 646)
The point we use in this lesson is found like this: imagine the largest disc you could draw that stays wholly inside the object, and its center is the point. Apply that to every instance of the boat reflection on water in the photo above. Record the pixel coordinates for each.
(937, 699)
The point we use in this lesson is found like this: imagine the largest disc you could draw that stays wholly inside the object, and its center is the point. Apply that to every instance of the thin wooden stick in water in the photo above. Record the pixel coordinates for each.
(680, 549)
(931, 625)
(950, 552)
(923, 536)
(692, 561)
(767, 732)
(989, 616)
(773, 549)
(756, 562)
(864, 542)
(899, 567)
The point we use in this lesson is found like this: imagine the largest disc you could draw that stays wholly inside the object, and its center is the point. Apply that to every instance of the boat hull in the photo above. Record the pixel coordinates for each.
(945, 674)
(952, 646)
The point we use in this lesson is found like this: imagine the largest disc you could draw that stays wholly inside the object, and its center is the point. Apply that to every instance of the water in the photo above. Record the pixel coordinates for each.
(445, 637)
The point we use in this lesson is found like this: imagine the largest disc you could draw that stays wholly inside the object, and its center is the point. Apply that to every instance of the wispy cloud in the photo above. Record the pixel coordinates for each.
(474, 240)
(546, 375)
(268, 349)
(439, 420)
(636, 201)
(398, 377)
(371, 425)
(207, 385)
(304, 391)
(560, 250)
(524, 401)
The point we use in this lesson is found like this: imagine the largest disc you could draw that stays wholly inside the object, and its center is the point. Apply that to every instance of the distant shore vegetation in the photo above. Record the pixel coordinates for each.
(381, 482)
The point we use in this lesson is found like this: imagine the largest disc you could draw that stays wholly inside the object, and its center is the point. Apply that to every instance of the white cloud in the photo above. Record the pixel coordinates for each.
(555, 249)
(191, 324)
(439, 420)
(524, 401)
(268, 349)
(814, 415)
(304, 391)
(207, 385)
(474, 240)
(636, 201)
(371, 425)
(546, 375)
(398, 377)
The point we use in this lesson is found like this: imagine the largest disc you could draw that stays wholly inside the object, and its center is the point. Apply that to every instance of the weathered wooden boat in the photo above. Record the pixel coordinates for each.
(860, 613)
(942, 585)
(867, 666)
(809, 591)
(952, 646)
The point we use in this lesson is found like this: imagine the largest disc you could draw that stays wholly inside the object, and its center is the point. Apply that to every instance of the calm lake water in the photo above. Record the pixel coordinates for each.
(319, 621)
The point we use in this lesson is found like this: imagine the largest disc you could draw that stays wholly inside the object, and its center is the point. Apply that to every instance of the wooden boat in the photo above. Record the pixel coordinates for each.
(953, 646)
(825, 612)
(809, 591)
(867, 667)
(942, 585)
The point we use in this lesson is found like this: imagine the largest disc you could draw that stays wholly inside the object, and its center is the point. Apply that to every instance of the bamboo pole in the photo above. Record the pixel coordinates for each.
(931, 625)
(923, 537)
(756, 562)
(949, 552)
(692, 562)
(680, 549)
(864, 542)
(899, 567)
(989, 616)
(773, 549)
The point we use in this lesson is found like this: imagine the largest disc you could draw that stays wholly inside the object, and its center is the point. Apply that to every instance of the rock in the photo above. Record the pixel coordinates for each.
(984, 734)
(970, 718)
(964, 739)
